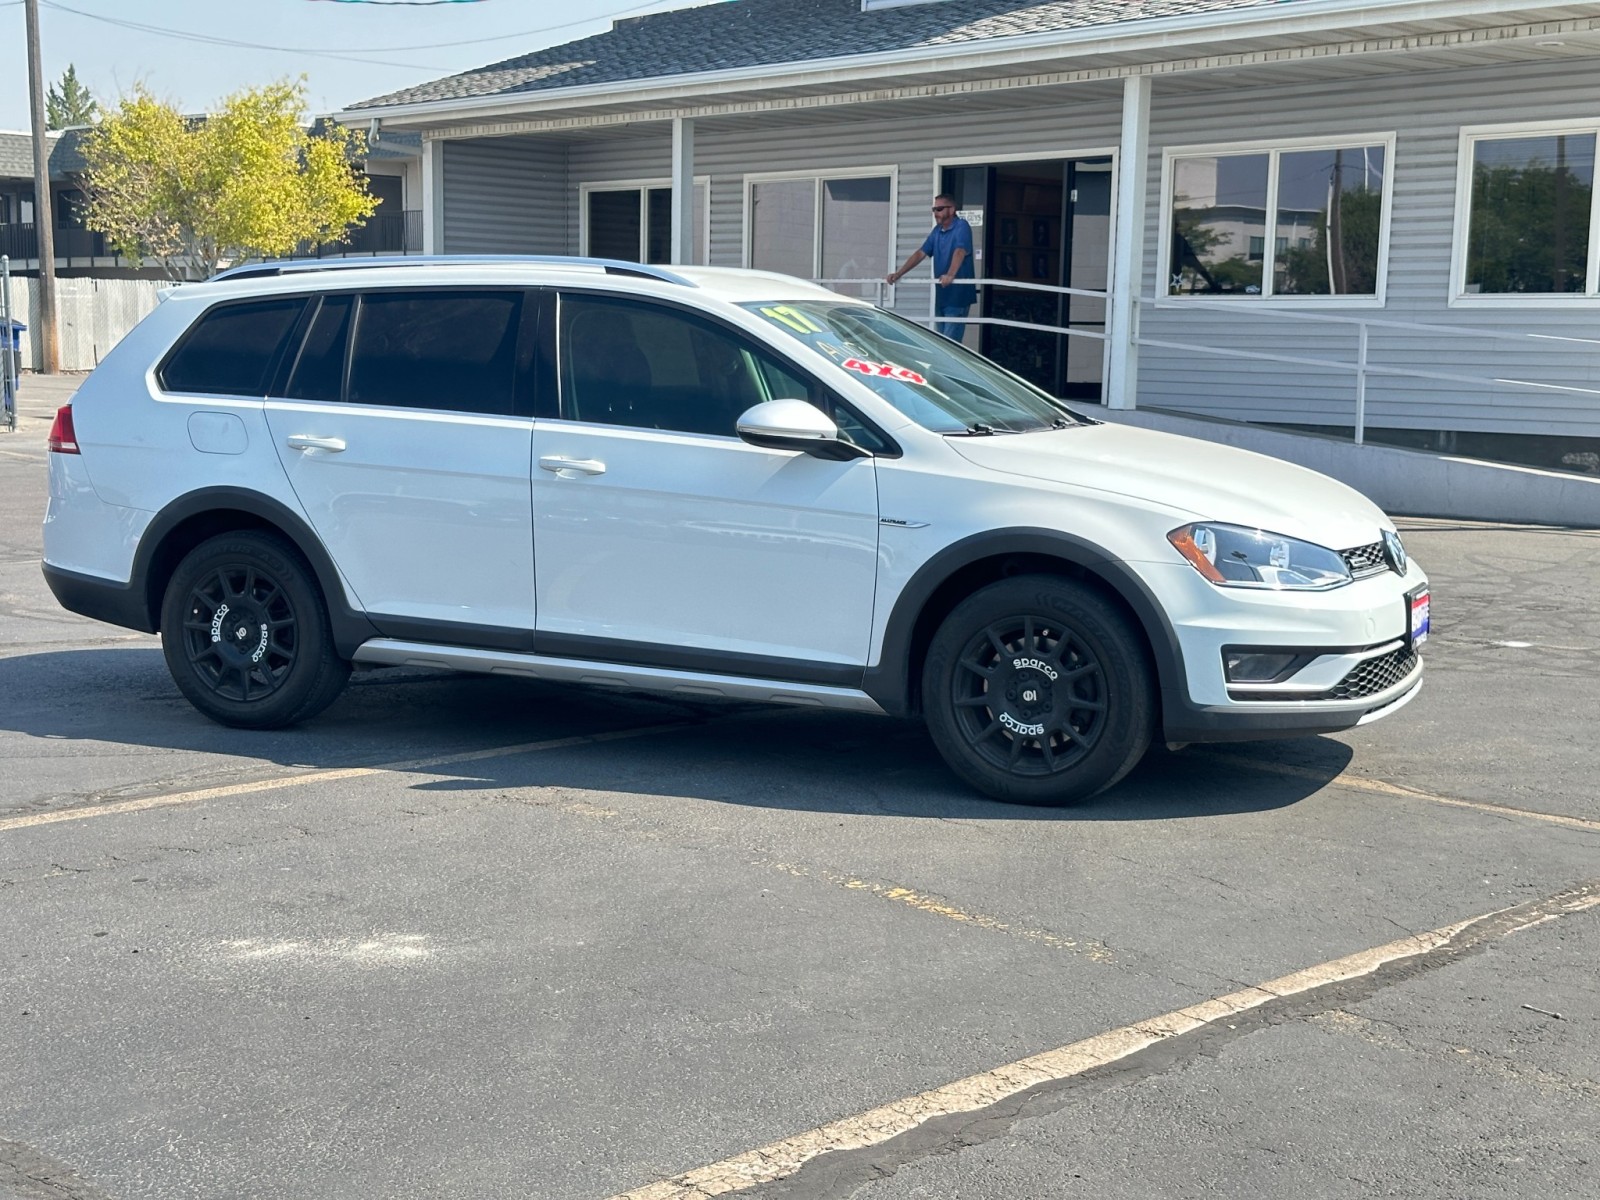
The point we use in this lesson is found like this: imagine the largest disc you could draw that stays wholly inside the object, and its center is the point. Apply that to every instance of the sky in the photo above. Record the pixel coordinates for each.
(349, 50)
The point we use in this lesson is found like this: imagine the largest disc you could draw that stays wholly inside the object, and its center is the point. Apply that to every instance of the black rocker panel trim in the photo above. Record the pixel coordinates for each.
(350, 627)
(460, 634)
(692, 658)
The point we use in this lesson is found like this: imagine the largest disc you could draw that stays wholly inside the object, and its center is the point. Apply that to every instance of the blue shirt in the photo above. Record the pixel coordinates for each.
(941, 246)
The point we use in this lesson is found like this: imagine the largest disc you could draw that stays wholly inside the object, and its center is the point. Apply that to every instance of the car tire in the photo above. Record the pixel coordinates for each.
(246, 635)
(1037, 690)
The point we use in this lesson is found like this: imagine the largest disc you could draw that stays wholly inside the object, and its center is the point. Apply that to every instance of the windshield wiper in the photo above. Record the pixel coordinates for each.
(1061, 423)
(979, 429)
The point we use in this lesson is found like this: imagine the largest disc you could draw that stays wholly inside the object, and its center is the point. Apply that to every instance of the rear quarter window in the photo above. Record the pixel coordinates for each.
(232, 349)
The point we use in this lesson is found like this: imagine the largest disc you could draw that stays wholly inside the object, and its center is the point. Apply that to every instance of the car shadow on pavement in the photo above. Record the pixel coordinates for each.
(608, 742)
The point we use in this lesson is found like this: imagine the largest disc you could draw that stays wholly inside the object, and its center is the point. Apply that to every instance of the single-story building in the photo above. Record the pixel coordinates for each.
(1374, 217)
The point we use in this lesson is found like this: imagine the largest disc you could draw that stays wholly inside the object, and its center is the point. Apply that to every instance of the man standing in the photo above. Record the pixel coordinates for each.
(950, 246)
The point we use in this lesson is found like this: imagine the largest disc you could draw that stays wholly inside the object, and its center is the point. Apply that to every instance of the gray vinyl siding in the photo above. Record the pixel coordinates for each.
(520, 194)
(907, 147)
(505, 196)
(1426, 113)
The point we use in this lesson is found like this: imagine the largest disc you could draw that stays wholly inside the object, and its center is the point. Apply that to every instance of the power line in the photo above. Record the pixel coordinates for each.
(208, 39)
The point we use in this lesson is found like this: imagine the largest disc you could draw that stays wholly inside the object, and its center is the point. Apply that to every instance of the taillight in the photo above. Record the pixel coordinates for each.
(63, 438)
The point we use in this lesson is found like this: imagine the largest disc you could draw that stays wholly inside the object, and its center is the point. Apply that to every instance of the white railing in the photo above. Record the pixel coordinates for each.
(1361, 367)
(885, 295)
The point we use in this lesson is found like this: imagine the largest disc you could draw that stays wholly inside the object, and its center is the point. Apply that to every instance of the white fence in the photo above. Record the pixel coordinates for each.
(92, 316)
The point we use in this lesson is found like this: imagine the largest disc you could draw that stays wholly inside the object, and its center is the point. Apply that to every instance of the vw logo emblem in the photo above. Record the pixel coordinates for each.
(1395, 551)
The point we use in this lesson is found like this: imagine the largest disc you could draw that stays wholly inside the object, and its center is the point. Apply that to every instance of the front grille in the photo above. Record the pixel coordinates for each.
(1374, 675)
(1365, 679)
(1365, 560)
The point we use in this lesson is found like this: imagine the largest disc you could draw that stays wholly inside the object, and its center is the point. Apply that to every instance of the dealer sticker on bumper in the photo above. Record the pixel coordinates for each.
(1419, 618)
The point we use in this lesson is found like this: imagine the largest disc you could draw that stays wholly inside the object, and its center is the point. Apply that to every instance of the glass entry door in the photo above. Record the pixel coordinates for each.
(1045, 222)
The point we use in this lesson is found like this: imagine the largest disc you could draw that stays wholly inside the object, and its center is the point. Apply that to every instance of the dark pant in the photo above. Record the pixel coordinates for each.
(950, 328)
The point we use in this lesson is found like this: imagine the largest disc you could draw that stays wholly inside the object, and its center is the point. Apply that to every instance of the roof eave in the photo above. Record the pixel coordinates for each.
(1261, 21)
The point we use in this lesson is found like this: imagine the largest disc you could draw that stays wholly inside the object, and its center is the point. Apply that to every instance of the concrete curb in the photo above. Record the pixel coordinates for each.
(1411, 482)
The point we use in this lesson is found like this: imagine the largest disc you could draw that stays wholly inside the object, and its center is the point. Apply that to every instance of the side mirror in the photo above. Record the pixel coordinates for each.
(796, 425)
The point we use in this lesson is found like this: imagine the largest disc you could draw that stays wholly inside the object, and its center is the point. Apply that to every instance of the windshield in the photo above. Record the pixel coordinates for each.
(938, 383)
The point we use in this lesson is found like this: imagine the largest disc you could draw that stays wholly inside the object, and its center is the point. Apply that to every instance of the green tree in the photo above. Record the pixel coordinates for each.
(1305, 272)
(1529, 230)
(1195, 266)
(248, 181)
(71, 103)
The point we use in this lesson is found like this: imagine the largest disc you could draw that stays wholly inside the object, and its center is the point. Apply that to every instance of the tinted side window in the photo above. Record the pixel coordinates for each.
(231, 349)
(652, 367)
(319, 372)
(450, 350)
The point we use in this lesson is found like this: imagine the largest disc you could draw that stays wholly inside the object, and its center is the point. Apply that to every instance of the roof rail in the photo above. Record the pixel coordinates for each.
(299, 266)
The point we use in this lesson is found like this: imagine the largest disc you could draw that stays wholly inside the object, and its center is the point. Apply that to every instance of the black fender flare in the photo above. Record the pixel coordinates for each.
(889, 681)
(350, 627)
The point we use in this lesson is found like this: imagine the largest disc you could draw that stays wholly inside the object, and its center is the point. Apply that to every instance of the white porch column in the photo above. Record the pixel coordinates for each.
(683, 189)
(432, 196)
(1127, 256)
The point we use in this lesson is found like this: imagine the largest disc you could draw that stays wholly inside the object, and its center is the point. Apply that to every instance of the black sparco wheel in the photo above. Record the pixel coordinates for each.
(246, 636)
(1037, 691)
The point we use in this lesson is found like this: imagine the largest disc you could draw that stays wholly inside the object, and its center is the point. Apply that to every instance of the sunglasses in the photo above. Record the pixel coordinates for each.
(942, 207)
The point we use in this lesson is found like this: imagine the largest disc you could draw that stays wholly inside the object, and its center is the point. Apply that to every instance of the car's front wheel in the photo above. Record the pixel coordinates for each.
(1037, 691)
(246, 635)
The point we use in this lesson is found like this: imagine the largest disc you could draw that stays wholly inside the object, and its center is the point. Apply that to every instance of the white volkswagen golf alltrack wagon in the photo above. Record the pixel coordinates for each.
(708, 482)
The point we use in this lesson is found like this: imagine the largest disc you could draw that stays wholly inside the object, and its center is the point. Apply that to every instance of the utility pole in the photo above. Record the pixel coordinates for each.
(43, 209)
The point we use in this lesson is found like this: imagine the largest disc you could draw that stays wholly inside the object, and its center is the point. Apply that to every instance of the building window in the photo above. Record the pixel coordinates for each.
(1290, 220)
(829, 228)
(633, 222)
(1529, 212)
(69, 209)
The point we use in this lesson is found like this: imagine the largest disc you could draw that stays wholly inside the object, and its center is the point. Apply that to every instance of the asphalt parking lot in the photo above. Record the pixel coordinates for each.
(466, 937)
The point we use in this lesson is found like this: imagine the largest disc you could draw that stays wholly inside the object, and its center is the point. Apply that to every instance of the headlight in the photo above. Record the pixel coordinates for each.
(1233, 556)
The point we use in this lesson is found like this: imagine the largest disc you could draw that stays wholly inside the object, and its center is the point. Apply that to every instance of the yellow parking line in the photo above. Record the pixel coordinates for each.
(781, 1159)
(283, 781)
(1378, 787)
(1091, 948)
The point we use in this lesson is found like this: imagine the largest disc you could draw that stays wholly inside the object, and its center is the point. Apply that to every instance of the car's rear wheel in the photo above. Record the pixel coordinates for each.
(246, 635)
(1037, 691)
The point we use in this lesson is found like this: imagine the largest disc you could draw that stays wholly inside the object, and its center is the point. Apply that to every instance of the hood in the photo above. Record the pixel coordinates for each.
(1209, 481)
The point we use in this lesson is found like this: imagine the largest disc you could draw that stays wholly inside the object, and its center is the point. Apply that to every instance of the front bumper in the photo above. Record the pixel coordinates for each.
(1359, 662)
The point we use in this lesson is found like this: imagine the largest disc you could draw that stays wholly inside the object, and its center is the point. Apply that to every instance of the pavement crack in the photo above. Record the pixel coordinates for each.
(828, 1174)
(29, 1174)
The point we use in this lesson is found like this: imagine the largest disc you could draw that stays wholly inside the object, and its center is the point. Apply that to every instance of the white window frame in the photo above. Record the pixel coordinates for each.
(643, 187)
(819, 176)
(1274, 148)
(1459, 297)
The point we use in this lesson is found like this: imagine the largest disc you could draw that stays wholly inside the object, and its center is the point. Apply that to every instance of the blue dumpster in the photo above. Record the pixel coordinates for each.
(17, 330)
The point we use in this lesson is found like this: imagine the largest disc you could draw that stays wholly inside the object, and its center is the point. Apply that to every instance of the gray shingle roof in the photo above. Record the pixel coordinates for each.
(16, 154)
(752, 33)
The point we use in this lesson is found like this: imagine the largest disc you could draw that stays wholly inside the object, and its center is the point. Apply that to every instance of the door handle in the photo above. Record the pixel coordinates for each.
(304, 441)
(571, 468)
